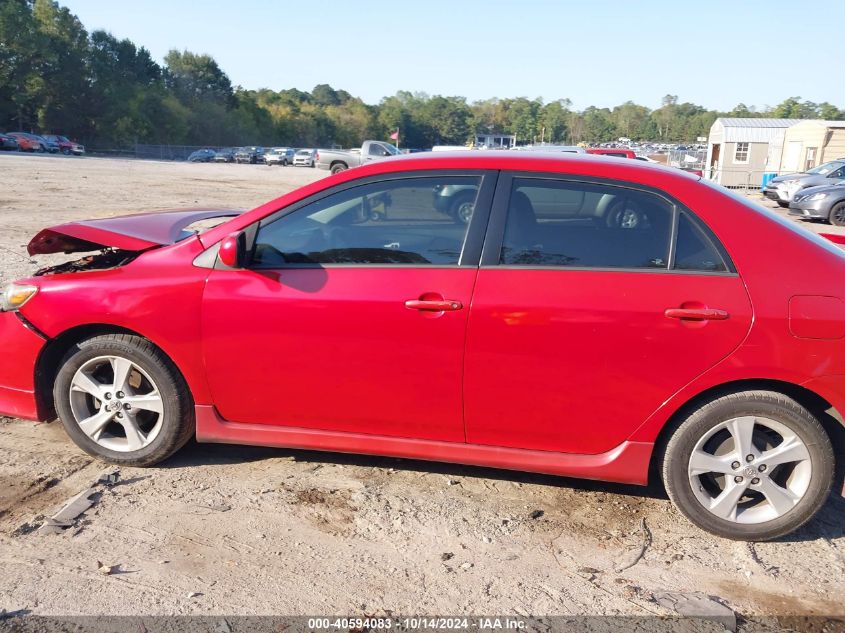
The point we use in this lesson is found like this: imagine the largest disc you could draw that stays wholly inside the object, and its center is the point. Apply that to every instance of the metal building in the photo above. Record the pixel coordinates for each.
(812, 142)
(741, 151)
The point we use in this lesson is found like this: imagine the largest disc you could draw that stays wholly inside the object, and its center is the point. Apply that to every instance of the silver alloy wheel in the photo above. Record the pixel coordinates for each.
(750, 470)
(116, 403)
(465, 210)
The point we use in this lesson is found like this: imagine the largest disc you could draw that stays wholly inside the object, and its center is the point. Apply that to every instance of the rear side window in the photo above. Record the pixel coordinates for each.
(409, 221)
(562, 223)
(697, 248)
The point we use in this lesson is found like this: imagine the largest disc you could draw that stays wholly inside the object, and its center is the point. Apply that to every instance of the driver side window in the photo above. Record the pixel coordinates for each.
(409, 221)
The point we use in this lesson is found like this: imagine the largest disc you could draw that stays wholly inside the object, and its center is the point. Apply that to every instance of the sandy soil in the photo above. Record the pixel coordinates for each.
(236, 530)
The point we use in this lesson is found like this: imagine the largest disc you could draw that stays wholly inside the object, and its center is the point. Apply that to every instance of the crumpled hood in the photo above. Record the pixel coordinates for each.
(129, 232)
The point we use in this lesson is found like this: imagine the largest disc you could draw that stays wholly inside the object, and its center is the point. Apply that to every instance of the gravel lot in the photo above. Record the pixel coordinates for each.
(237, 530)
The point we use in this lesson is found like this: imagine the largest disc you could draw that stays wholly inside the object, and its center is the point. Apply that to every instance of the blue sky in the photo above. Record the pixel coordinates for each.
(595, 52)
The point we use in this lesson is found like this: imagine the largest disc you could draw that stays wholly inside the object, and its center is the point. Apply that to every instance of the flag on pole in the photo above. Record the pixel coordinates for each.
(395, 135)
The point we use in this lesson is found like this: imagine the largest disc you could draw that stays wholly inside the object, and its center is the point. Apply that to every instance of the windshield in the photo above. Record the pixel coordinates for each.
(825, 169)
(393, 149)
(304, 152)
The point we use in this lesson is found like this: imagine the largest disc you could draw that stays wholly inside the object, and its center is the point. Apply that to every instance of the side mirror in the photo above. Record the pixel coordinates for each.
(233, 250)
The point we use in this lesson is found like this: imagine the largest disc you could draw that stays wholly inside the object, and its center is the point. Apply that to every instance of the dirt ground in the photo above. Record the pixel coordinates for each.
(237, 530)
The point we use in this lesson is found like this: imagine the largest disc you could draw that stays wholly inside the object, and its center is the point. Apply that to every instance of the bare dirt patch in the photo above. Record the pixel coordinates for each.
(262, 531)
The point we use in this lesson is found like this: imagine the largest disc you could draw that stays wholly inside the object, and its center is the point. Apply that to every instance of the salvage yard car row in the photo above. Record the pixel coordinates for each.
(253, 154)
(52, 143)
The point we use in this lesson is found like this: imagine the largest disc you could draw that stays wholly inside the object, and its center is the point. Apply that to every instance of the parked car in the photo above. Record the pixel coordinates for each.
(337, 161)
(202, 156)
(251, 155)
(51, 145)
(226, 155)
(29, 142)
(544, 335)
(279, 156)
(305, 158)
(825, 202)
(617, 152)
(65, 145)
(8, 143)
(782, 189)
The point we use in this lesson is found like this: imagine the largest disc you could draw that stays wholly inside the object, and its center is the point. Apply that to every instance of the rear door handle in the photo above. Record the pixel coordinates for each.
(696, 314)
(437, 305)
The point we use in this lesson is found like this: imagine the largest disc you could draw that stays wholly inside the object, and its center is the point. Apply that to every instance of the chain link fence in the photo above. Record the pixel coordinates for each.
(170, 152)
(745, 180)
(687, 158)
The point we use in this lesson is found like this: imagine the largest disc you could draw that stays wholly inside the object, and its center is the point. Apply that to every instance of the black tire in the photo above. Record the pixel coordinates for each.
(837, 214)
(782, 204)
(178, 419)
(766, 404)
(338, 167)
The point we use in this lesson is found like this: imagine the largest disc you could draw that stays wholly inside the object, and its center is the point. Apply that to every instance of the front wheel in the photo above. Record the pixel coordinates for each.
(750, 466)
(122, 400)
(837, 214)
(462, 207)
(782, 204)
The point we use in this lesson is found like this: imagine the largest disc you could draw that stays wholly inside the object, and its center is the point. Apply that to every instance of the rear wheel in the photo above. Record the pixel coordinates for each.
(749, 466)
(338, 167)
(837, 214)
(122, 400)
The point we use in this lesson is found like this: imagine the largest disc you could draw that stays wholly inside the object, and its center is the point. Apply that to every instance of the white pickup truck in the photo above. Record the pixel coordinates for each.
(337, 161)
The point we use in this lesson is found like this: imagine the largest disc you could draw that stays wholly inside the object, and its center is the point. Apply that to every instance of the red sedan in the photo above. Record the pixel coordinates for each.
(591, 318)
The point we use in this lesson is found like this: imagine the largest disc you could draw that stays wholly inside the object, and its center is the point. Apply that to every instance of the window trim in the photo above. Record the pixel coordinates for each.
(494, 238)
(473, 240)
(747, 153)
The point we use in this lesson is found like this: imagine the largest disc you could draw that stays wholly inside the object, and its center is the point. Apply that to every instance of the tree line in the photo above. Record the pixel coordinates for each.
(106, 92)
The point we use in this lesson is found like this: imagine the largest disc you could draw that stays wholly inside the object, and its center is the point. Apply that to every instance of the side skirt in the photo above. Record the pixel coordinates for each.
(627, 463)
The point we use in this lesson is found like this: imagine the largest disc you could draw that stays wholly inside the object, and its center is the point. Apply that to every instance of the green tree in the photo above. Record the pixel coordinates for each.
(195, 78)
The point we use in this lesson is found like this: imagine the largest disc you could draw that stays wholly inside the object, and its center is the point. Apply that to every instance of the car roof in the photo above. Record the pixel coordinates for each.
(560, 162)
(663, 178)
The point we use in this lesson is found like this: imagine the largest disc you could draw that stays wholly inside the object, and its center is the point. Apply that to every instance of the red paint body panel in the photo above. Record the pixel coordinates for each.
(817, 317)
(627, 463)
(20, 349)
(565, 360)
(157, 296)
(129, 232)
(565, 371)
(337, 349)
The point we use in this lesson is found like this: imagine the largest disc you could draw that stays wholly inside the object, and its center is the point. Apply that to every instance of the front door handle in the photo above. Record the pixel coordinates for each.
(436, 305)
(696, 314)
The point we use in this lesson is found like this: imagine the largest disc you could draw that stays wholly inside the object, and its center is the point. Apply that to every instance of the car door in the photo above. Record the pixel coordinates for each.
(583, 322)
(352, 314)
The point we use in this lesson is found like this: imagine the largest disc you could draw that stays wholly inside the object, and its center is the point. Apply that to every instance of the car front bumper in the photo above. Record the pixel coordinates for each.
(815, 210)
(776, 193)
(21, 346)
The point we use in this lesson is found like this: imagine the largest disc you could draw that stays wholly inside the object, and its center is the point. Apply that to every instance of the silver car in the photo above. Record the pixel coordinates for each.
(305, 158)
(782, 189)
(820, 203)
(279, 156)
